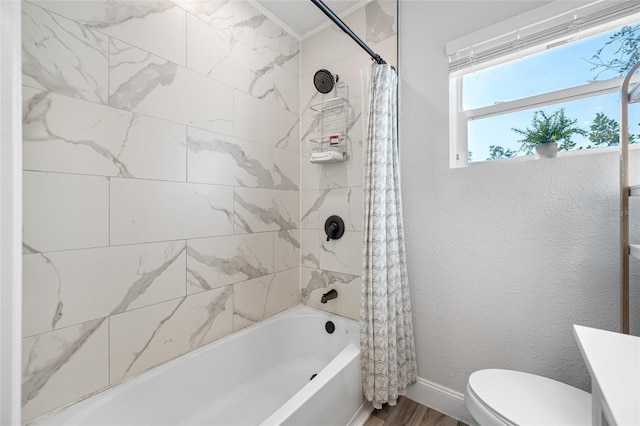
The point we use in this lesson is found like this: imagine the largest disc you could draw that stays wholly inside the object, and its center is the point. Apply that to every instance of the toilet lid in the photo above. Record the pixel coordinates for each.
(527, 399)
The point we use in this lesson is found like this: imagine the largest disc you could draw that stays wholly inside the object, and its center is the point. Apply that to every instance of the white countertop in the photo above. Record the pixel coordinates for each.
(613, 360)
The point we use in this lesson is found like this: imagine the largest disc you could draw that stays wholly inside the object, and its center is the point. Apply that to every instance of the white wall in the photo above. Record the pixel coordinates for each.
(504, 257)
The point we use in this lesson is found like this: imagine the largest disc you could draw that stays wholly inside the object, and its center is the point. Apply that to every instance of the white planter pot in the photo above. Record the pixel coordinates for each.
(547, 150)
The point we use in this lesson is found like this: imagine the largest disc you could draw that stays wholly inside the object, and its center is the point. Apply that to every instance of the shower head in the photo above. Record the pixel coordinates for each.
(324, 81)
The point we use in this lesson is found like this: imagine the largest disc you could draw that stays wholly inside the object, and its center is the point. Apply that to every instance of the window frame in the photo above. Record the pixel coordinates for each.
(459, 118)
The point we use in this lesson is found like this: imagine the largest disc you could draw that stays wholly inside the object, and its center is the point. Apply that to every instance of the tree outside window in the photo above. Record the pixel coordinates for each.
(613, 59)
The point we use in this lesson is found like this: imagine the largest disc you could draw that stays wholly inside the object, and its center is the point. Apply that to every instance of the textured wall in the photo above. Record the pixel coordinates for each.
(336, 189)
(503, 257)
(161, 185)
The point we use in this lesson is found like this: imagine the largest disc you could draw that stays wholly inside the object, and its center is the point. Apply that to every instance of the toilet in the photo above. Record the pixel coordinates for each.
(498, 397)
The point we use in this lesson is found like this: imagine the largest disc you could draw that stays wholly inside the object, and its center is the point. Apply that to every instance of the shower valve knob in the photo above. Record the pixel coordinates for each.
(334, 227)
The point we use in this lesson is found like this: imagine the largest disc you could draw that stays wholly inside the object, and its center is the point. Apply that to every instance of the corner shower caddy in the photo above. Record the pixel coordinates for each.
(333, 121)
(627, 96)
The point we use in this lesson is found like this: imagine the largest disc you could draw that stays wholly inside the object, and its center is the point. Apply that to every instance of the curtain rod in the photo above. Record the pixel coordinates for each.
(323, 7)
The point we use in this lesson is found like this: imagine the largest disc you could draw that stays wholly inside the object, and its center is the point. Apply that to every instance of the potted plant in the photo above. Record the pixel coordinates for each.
(548, 134)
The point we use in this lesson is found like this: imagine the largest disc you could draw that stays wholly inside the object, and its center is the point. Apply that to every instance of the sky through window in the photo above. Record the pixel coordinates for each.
(553, 69)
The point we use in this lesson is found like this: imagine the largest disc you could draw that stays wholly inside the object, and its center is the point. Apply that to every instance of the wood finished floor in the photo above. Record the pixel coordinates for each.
(409, 413)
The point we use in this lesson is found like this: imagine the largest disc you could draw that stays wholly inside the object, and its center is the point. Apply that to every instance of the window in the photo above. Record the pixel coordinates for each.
(564, 71)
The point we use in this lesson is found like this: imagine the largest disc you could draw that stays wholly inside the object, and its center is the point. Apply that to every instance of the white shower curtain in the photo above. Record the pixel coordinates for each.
(388, 360)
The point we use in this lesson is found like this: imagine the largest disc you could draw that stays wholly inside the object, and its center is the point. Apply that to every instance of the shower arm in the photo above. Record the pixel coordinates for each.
(324, 8)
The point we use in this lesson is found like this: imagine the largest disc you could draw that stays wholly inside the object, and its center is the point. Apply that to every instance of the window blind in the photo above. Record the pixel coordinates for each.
(541, 28)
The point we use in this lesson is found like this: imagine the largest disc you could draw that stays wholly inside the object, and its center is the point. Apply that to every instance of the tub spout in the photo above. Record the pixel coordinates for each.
(331, 294)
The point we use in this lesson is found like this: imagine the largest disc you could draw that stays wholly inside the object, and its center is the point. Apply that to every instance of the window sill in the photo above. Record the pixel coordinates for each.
(562, 154)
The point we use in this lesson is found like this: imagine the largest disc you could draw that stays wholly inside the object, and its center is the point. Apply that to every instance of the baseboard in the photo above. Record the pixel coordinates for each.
(362, 415)
(440, 398)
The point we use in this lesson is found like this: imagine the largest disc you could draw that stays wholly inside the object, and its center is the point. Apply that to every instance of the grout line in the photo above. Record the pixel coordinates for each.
(186, 268)
(186, 154)
(109, 211)
(273, 262)
(109, 347)
(233, 111)
(108, 71)
(146, 179)
(104, 318)
(115, 246)
(300, 175)
(233, 212)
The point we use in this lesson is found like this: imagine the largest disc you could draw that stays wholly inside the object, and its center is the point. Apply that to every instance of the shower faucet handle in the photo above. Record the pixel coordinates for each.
(334, 227)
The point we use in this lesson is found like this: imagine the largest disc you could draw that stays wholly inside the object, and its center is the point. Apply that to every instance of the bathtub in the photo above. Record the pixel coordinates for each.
(260, 375)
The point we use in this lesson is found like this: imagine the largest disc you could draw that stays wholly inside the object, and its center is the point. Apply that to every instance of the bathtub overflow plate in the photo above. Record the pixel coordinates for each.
(330, 327)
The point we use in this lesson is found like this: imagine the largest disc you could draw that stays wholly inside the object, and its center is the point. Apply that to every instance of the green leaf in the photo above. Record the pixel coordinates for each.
(547, 128)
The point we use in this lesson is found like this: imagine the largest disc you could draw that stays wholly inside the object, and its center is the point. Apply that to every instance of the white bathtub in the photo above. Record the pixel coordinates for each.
(257, 376)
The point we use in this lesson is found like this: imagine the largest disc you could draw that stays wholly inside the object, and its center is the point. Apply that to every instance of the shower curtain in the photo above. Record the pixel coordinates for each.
(388, 360)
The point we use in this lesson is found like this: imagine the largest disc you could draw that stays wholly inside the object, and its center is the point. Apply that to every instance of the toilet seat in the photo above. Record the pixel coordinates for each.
(481, 413)
(498, 397)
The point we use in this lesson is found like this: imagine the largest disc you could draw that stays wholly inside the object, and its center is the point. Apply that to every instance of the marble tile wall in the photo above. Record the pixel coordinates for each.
(161, 185)
(336, 189)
